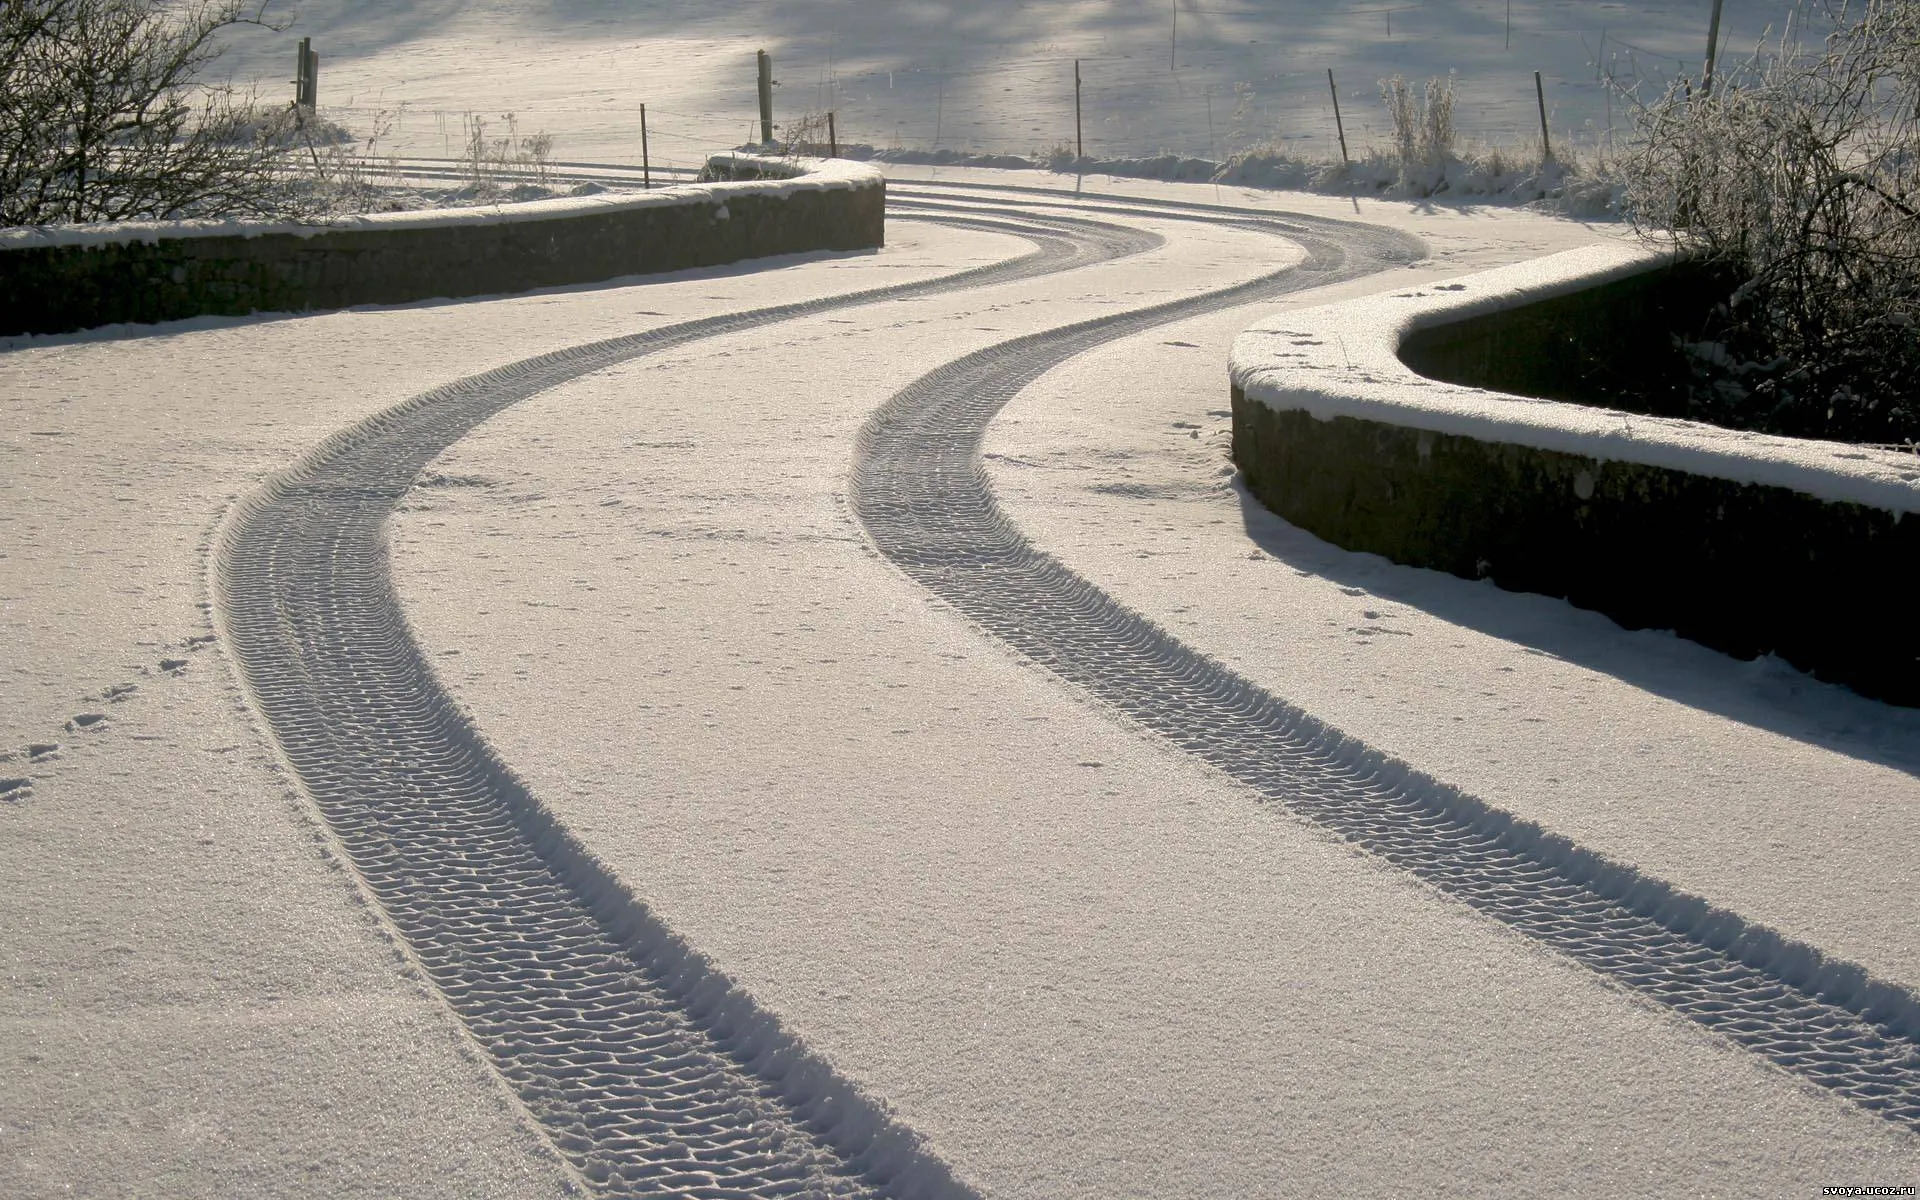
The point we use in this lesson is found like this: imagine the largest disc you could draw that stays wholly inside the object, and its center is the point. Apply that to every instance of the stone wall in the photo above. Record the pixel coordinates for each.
(1743, 568)
(57, 287)
(1570, 347)
(1749, 544)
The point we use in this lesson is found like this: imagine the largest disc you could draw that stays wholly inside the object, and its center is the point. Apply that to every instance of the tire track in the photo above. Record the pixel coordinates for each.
(920, 490)
(648, 1071)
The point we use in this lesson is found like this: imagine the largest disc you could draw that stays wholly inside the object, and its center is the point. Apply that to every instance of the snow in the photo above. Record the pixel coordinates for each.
(1342, 360)
(1782, 798)
(810, 175)
(993, 76)
(1079, 964)
(196, 1002)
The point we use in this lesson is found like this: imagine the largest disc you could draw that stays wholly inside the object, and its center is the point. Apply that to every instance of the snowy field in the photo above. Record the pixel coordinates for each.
(993, 76)
(1072, 957)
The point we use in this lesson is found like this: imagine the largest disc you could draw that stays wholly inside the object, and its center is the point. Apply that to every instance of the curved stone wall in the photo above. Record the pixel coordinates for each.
(1749, 543)
(53, 280)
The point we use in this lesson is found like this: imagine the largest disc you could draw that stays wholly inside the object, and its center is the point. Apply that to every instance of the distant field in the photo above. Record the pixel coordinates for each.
(1200, 77)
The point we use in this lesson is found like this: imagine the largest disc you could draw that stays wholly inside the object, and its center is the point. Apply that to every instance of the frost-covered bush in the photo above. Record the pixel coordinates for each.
(1797, 175)
(1422, 132)
(325, 170)
(492, 156)
(805, 136)
(103, 116)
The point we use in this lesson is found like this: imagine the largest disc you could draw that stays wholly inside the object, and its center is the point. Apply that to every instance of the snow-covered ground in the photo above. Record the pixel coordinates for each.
(195, 1001)
(1077, 961)
(983, 75)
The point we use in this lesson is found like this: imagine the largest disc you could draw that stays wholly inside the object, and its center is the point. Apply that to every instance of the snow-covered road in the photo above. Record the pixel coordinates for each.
(667, 584)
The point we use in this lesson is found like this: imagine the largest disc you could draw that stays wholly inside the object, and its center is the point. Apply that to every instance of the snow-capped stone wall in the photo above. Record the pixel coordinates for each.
(60, 278)
(1750, 543)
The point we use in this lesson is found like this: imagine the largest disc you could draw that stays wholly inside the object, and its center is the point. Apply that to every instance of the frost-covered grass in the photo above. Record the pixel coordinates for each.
(1423, 157)
(1585, 187)
(330, 170)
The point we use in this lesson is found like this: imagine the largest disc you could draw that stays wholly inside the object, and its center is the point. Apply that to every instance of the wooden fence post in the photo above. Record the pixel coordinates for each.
(646, 160)
(1713, 46)
(766, 98)
(1338, 126)
(1213, 144)
(1540, 94)
(833, 137)
(304, 89)
(306, 92)
(1079, 144)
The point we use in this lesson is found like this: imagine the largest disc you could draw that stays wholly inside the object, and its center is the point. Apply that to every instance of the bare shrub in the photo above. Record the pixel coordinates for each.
(1061, 156)
(1798, 176)
(103, 117)
(805, 136)
(1404, 115)
(490, 157)
(1423, 133)
(1436, 120)
(326, 170)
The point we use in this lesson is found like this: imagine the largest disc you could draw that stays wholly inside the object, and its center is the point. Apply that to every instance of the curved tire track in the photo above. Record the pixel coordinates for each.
(650, 1073)
(919, 489)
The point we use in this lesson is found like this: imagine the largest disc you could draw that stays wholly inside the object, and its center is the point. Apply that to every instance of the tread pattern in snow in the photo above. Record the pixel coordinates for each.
(919, 489)
(650, 1074)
